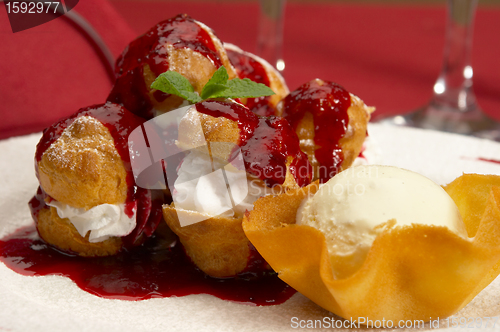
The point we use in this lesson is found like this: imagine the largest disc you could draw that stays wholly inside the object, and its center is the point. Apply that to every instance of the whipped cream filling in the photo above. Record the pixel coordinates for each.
(103, 221)
(216, 189)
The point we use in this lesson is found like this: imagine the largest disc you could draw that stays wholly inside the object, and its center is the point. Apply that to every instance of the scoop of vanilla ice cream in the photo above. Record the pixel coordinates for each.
(354, 206)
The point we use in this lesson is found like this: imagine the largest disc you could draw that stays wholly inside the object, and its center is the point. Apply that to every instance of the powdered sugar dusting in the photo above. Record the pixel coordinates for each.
(79, 137)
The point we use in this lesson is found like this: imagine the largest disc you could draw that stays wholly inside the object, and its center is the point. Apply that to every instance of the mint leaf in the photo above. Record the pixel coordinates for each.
(209, 91)
(244, 88)
(217, 87)
(174, 83)
(219, 77)
(216, 84)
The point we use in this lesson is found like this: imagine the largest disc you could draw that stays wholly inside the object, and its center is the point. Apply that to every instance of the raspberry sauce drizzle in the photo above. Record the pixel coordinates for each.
(494, 161)
(150, 49)
(154, 270)
(248, 67)
(328, 103)
(265, 143)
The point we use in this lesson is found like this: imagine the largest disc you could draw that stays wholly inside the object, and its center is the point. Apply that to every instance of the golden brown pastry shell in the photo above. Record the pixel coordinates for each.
(218, 245)
(352, 141)
(82, 168)
(196, 129)
(194, 66)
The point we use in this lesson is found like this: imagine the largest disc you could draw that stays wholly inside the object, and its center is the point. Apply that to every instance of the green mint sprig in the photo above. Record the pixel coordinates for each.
(219, 86)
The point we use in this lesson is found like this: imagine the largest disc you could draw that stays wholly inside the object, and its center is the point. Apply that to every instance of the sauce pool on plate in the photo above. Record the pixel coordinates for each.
(154, 270)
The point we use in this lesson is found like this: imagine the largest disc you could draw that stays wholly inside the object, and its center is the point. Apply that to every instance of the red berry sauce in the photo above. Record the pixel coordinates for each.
(180, 31)
(265, 143)
(154, 270)
(248, 67)
(328, 103)
(494, 161)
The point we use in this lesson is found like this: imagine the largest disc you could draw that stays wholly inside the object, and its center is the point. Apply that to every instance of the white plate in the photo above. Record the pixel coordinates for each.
(56, 304)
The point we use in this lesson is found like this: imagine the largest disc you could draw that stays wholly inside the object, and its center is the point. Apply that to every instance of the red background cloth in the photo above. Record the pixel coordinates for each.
(50, 71)
(389, 55)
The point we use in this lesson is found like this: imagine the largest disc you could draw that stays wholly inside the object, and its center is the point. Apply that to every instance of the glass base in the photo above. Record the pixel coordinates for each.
(472, 122)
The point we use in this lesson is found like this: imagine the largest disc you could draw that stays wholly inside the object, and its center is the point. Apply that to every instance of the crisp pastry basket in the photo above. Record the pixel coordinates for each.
(411, 272)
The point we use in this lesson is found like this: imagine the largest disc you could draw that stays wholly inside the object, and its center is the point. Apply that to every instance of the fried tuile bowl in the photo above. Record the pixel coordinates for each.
(412, 272)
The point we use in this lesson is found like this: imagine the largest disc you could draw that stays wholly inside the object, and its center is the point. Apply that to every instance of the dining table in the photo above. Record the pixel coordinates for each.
(387, 53)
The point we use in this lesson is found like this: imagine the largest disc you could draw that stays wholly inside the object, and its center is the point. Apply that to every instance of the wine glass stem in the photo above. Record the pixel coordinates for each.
(453, 89)
(270, 34)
